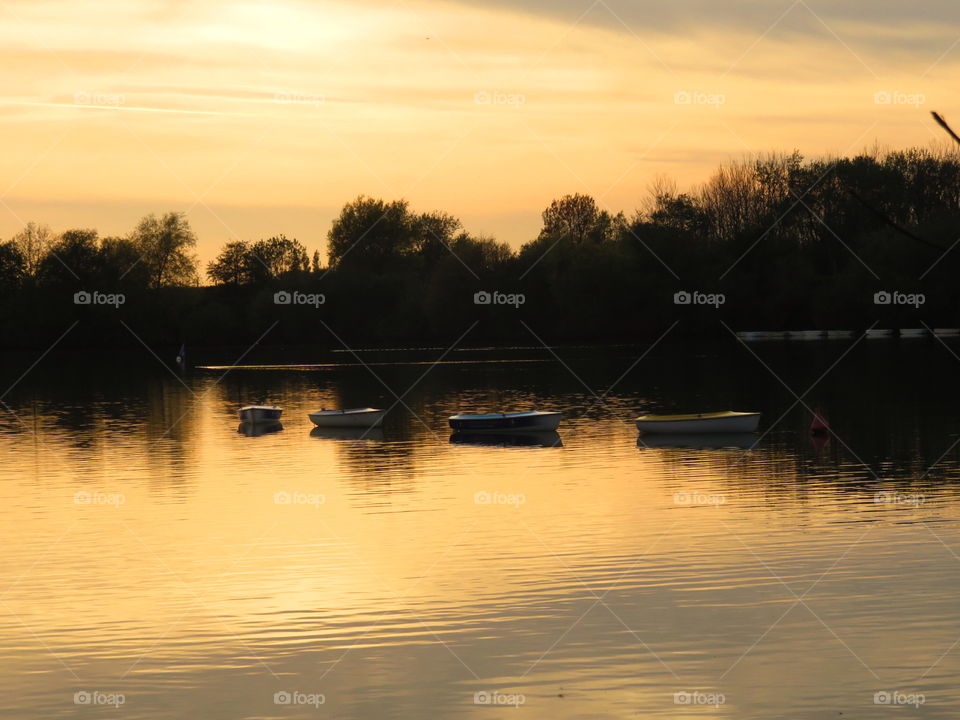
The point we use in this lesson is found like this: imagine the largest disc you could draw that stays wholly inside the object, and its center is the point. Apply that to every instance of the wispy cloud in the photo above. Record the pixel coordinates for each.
(488, 109)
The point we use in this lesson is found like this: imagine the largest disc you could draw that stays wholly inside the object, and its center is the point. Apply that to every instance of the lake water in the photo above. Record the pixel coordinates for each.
(158, 563)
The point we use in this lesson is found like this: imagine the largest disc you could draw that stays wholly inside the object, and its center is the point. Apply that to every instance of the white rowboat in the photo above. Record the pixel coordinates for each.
(260, 413)
(718, 422)
(352, 417)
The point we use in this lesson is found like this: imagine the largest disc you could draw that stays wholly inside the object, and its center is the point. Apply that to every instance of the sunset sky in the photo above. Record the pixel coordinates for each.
(258, 118)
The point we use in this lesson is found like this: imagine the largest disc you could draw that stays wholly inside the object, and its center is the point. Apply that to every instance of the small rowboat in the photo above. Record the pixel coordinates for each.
(260, 413)
(352, 417)
(517, 421)
(718, 422)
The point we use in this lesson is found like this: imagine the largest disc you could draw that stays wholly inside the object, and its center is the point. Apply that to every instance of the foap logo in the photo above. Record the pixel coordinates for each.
(284, 297)
(884, 97)
(895, 297)
(699, 498)
(487, 697)
(686, 97)
(98, 298)
(898, 697)
(483, 497)
(896, 498)
(98, 99)
(285, 97)
(295, 697)
(696, 297)
(98, 697)
(496, 97)
(96, 497)
(696, 697)
(498, 298)
(296, 497)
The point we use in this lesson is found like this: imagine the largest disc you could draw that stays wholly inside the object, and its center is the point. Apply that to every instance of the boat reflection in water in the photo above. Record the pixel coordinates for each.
(702, 441)
(257, 429)
(542, 438)
(348, 433)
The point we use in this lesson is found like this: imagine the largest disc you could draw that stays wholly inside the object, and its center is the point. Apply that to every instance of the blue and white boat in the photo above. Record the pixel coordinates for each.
(514, 422)
(353, 417)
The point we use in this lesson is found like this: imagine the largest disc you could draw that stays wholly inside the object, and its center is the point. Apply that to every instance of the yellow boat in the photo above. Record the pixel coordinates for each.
(717, 422)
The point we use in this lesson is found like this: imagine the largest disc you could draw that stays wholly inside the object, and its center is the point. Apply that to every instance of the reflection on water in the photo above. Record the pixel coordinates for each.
(348, 433)
(741, 441)
(543, 438)
(256, 429)
(153, 551)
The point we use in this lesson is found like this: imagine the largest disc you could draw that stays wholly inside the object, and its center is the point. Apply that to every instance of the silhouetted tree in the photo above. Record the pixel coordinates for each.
(33, 243)
(13, 267)
(234, 265)
(120, 263)
(276, 256)
(577, 218)
(73, 260)
(371, 233)
(433, 233)
(166, 244)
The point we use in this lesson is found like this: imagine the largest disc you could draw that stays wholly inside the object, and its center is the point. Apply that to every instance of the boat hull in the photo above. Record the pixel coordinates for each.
(359, 418)
(260, 414)
(727, 423)
(511, 422)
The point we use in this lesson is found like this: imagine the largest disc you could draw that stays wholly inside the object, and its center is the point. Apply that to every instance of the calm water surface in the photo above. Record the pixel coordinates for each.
(156, 555)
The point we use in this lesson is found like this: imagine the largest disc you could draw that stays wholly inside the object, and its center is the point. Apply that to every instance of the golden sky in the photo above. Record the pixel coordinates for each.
(264, 117)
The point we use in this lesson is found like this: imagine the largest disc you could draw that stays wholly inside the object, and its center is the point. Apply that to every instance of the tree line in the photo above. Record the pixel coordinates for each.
(787, 242)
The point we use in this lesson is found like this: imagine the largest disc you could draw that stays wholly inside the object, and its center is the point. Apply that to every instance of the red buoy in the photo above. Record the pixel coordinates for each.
(819, 426)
